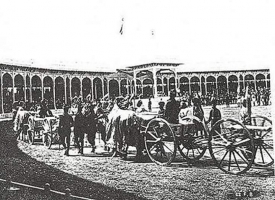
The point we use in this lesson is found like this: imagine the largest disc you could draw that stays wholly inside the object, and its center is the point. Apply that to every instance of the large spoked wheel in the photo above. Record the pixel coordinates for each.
(263, 141)
(231, 146)
(160, 142)
(192, 140)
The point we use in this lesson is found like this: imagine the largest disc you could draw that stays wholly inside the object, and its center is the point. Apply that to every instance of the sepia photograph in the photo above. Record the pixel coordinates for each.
(137, 100)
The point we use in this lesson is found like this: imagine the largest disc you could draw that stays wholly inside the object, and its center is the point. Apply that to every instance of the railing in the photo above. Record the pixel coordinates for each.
(46, 190)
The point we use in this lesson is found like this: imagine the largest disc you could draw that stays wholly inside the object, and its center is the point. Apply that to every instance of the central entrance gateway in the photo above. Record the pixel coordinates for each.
(154, 79)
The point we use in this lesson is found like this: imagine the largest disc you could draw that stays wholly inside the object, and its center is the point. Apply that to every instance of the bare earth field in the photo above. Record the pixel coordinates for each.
(101, 177)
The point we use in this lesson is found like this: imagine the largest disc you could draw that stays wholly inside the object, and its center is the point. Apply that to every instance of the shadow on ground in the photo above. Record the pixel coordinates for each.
(24, 169)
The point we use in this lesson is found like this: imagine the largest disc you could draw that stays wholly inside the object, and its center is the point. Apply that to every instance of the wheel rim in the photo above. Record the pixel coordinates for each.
(160, 142)
(192, 141)
(263, 139)
(231, 146)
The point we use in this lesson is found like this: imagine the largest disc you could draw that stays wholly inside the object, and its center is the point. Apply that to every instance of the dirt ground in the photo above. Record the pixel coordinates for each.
(98, 176)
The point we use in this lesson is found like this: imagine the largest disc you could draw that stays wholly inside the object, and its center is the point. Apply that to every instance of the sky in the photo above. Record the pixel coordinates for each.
(85, 34)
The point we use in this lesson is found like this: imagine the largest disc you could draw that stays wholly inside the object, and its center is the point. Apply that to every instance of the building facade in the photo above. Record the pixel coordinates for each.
(21, 83)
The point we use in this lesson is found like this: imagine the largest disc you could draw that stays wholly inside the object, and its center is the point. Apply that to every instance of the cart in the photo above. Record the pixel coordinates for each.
(35, 132)
(233, 146)
(236, 147)
(51, 132)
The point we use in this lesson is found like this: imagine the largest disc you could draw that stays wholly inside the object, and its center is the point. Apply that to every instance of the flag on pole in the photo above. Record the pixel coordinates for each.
(121, 29)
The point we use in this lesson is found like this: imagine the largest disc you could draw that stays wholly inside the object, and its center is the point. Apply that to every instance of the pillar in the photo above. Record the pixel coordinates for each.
(189, 85)
(81, 88)
(42, 87)
(92, 89)
(155, 90)
(31, 87)
(70, 88)
(227, 89)
(135, 83)
(65, 83)
(128, 86)
(2, 98)
(25, 88)
(54, 93)
(13, 83)
(119, 87)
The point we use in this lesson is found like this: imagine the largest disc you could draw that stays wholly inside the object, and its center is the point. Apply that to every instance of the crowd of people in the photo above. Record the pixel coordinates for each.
(90, 116)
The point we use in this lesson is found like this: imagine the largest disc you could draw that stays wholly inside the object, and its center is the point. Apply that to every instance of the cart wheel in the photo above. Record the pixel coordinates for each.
(160, 142)
(231, 146)
(192, 141)
(263, 141)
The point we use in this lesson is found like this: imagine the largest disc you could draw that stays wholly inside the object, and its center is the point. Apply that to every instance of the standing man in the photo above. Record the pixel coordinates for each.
(65, 124)
(172, 108)
(90, 123)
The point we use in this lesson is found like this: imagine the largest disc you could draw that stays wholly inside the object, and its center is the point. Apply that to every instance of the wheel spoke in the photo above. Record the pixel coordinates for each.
(152, 135)
(244, 150)
(219, 151)
(241, 142)
(262, 156)
(270, 146)
(225, 140)
(267, 132)
(151, 141)
(229, 163)
(242, 157)
(223, 157)
(236, 160)
(167, 147)
(267, 152)
(152, 147)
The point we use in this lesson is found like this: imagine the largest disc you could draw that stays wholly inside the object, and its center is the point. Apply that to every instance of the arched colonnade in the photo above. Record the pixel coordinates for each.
(223, 82)
(59, 87)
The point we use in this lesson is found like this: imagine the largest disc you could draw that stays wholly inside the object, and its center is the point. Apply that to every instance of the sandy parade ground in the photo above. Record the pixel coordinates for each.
(98, 176)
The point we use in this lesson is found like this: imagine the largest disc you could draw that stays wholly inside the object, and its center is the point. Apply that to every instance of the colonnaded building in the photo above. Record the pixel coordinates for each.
(25, 83)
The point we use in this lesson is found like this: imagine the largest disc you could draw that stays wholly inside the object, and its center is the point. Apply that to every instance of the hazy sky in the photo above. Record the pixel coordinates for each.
(185, 31)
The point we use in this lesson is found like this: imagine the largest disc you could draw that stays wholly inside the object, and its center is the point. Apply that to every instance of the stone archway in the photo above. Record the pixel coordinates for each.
(19, 87)
(222, 85)
(36, 89)
(233, 84)
(86, 87)
(75, 83)
(260, 81)
(184, 85)
(147, 87)
(7, 93)
(195, 84)
(48, 91)
(249, 80)
(211, 84)
(114, 88)
(97, 88)
(59, 92)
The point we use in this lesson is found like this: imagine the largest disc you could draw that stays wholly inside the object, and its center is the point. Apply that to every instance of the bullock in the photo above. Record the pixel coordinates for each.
(20, 123)
(123, 130)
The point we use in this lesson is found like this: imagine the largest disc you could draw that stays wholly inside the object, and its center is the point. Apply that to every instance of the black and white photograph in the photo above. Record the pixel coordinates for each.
(137, 100)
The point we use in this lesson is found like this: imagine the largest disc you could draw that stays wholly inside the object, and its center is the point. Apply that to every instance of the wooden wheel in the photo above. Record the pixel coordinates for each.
(231, 146)
(192, 141)
(263, 139)
(160, 142)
